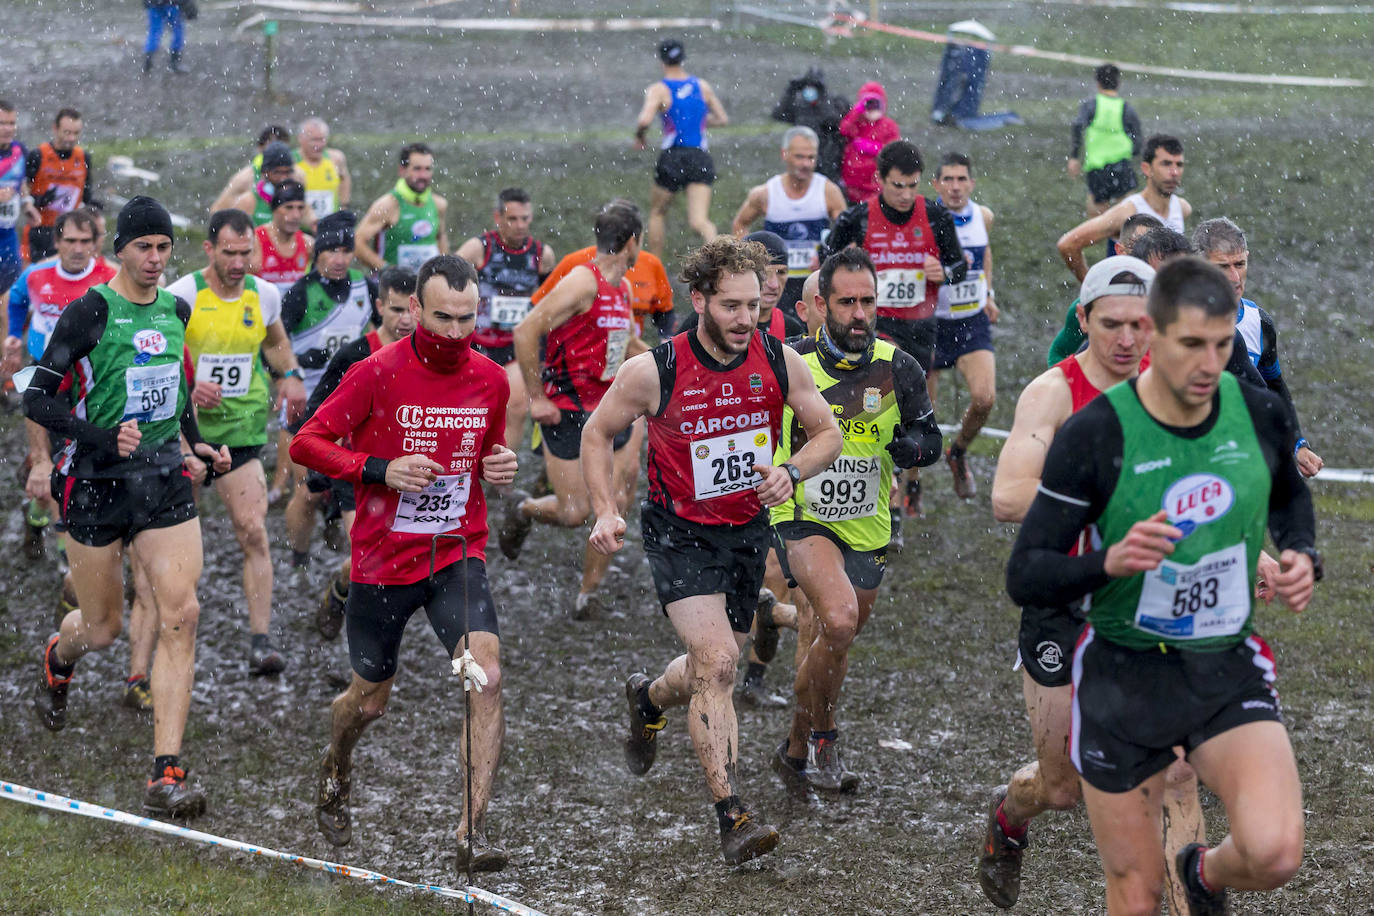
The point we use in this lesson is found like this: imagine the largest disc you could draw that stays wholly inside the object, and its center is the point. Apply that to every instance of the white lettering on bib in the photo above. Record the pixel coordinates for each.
(901, 289)
(725, 464)
(232, 372)
(508, 311)
(437, 508)
(411, 257)
(846, 490)
(151, 392)
(1208, 598)
(616, 341)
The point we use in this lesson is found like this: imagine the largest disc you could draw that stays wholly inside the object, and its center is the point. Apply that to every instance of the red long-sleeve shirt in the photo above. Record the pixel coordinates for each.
(391, 405)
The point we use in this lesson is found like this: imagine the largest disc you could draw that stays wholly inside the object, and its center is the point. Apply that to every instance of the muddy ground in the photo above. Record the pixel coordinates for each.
(931, 711)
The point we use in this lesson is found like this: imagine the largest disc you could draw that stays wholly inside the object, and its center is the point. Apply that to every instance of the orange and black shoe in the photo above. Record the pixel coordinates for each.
(957, 459)
(913, 506)
(50, 695)
(170, 795)
(999, 866)
(329, 616)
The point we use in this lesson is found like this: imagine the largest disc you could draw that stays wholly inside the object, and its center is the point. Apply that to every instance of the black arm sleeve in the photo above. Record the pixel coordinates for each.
(850, 228)
(1272, 372)
(88, 197)
(1081, 470)
(1086, 109)
(76, 334)
(1130, 122)
(374, 292)
(189, 427)
(947, 240)
(1292, 520)
(293, 307)
(917, 413)
(792, 326)
(350, 353)
(1240, 366)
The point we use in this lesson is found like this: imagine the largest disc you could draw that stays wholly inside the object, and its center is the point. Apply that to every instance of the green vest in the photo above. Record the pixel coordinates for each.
(135, 371)
(1105, 140)
(415, 237)
(850, 497)
(1216, 490)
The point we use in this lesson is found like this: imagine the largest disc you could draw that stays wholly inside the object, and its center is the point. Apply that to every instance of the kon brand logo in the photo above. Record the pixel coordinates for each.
(1196, 500)
(410, 415)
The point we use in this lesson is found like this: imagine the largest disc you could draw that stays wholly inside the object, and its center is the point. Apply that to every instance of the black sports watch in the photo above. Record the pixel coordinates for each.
(1318, 567)
(793, 472)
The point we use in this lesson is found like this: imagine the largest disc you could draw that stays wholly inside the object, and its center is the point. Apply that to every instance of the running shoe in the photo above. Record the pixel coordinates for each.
(486, 855)
(765, 628)
(263, 659)
(331, 800)
(138, 695)
(824, 769)
(640, 746)
(1201, 902)
(746, 839)
(957, 459)
(170, 795)
(329, 615)
(792, 777)
(756, 693)
(515, 527)
(999, 867)
(586, 607)
(913, 506)
(50, 695)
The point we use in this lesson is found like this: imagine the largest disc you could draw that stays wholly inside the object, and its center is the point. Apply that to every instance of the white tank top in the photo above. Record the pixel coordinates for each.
(1175, 218)
(964, 300)
(802, 223)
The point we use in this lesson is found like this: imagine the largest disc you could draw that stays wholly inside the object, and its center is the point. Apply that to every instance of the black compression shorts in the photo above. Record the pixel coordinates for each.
(864, 568)
(689, 559)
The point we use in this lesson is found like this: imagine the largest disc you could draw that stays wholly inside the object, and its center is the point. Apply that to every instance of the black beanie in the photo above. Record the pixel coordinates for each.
(335, 231)
(286, 192)
(141, 216)
(670, 51)
(777, 249)
(277, 155)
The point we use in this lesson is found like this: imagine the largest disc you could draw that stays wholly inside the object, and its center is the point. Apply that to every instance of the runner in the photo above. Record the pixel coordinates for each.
(1161, 162)
(281, 251)
(1169, 657)
(964, 315)
(395, 287)
(687, 105)
(405, 226)
(772, 319)
(915, 246)
(835, 527)
(705, 527)
(1223, 243)
(277, 166)
(329, 307)
(59, 173)
(424, 398)
(798, 205)
(328, 184)
(1106, 136)
(14, 203)
(510, 264)
(585, 326)
(127, 483)
(235, 325)
(249, 175)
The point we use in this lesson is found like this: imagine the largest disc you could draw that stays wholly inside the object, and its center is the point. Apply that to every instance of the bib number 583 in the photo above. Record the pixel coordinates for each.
(1195, 597)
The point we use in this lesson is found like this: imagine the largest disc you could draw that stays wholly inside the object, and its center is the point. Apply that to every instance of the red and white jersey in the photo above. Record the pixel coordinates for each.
(714, 424)
(899, 255)
(283, 269)
(43, 290)
(582, 355)
(390, 405)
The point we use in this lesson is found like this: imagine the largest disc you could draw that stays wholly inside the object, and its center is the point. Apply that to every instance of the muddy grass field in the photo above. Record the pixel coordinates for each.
(931, 713)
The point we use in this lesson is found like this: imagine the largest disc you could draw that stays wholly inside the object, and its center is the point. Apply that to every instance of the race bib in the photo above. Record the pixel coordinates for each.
(725, 464)
(901, 289)
(969, 295)
(1208, 598)
(437, 508)
(320, 202)
(64, 198)
(801, 256)
(846, 490)
(232, 372)
(9, 211)
(508, 311)
(616, 342)
(151, 392)
(411, 257)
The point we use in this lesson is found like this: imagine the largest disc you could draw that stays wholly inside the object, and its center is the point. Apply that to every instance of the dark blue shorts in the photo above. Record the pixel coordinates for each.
(956, 337)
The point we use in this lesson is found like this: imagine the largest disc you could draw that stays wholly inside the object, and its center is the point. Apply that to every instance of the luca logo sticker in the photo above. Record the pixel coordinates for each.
(1197, 500)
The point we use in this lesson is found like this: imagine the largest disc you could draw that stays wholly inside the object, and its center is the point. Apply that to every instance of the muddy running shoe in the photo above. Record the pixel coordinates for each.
(1201, 901)
(912, 505)
(746, 839)
(754, 692)
(263, 659)
(792, 776)
(171, 796)
(515, 527)
(824, 769)
(640, 746)
(331, 800)
(964, 487)
(50, 695)
(766, 628)
(486, 855)
(586, 607)
(999, 867)
(138, 696)
(895, 540)
(329, 615)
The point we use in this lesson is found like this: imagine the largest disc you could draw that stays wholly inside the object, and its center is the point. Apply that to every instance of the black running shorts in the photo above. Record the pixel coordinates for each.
(239, 455)
(99, 511)
(689, 559)
(915, 337)
(1130, 708)
(502, 356)
(564, 439)
(1046, 642)
(376, 615)
(680, 166)
(1111, 181)
(864, 568)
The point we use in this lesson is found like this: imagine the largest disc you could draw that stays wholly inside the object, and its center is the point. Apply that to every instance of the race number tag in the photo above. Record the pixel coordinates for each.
(321, 203)
(232, 372)
(969, 295)
(725, 464)
(901, 289)
(411, 257)
(151, 392)
(1209, 598)
(437, 508)
(801, 255)
(616, 341)
(846, 490)
(9, 211)
(508, 311)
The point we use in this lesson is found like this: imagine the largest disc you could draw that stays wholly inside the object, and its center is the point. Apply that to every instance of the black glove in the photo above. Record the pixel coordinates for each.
(905, 451)
(42, 200)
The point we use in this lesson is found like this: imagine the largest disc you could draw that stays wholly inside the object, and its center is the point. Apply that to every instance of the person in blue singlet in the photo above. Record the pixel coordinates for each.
(687, 105)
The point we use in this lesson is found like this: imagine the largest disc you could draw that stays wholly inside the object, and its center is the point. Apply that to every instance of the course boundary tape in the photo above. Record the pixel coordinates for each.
(486, 25)
(54, 802)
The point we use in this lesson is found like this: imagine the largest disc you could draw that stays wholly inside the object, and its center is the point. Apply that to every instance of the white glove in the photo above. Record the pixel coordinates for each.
(466, 667)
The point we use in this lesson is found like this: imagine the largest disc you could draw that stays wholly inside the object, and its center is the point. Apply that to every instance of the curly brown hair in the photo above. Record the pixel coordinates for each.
(703, 268)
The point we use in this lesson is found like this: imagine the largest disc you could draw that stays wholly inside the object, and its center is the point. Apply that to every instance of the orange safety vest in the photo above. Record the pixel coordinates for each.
(67, 176)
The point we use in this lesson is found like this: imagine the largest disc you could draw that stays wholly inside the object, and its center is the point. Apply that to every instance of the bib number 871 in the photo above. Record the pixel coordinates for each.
(732, 468)
(1194, 598)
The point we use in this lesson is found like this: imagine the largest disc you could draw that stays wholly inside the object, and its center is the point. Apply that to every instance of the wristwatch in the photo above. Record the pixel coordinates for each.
(1318, 567)
(792, 472)
(294, 373)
